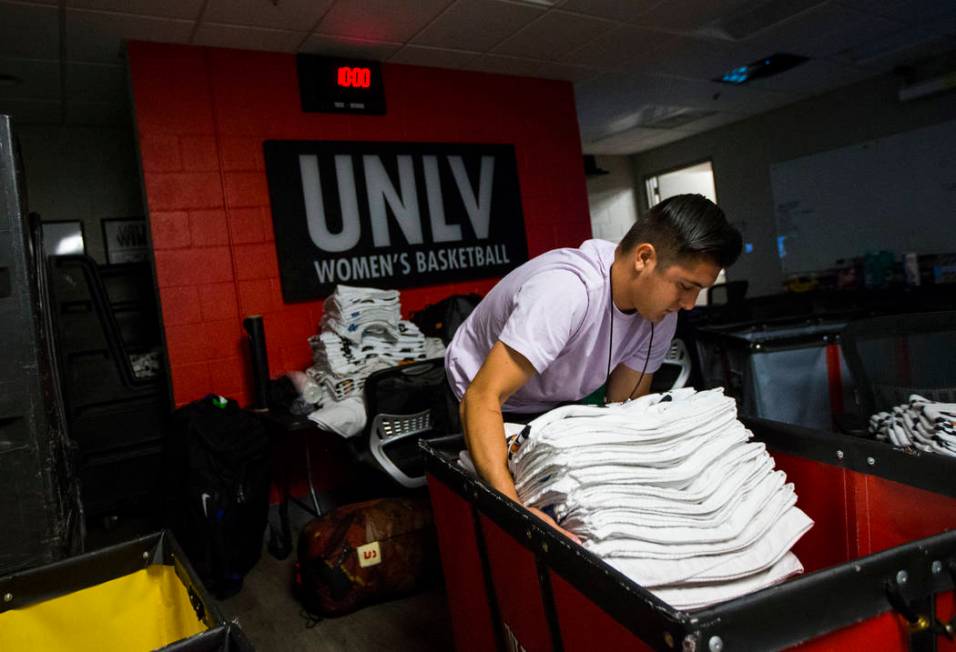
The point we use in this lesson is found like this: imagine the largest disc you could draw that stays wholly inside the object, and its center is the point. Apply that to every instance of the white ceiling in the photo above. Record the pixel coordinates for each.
(633, 62)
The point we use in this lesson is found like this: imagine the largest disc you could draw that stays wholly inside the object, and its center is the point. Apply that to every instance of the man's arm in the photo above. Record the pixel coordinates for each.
(502, 374)
(623, 380)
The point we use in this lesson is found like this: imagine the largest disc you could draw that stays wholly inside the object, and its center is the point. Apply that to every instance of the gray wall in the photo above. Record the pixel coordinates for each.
(742, 153)
(82, 173)
(612, 198)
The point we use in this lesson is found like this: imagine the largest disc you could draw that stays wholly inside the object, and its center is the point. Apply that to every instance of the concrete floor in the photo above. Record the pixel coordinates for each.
(272, 619)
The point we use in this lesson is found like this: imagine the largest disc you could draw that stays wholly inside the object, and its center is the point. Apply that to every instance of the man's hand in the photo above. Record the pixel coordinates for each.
(550, 521)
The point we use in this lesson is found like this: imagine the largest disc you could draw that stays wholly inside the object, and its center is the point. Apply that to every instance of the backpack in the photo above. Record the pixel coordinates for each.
(442, 319)
(365, 553)
(219, 472)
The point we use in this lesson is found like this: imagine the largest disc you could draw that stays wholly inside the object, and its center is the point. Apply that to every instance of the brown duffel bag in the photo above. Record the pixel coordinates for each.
(364, 553)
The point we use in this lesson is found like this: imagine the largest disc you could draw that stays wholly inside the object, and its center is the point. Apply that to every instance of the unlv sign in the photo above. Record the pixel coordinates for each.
(392, 214)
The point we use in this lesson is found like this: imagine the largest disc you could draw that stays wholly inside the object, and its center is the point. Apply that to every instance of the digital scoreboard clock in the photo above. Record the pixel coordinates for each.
(334, 85)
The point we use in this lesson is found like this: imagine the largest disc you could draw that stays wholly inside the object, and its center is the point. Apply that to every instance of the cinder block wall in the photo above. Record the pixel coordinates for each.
(202, 115)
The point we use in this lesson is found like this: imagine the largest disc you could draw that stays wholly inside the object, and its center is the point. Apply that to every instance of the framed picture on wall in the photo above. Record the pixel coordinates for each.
(124, 239)
(63, 237)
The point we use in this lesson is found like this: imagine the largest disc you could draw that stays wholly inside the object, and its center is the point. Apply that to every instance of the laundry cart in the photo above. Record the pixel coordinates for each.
(792, 372)
(880, 564)
(137, 596)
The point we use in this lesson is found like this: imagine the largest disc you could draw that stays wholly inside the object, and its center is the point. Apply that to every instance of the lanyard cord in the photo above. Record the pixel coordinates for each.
(610, 346)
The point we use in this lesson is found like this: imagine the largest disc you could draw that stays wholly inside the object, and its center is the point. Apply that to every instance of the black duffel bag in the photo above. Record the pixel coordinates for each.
(218, 470)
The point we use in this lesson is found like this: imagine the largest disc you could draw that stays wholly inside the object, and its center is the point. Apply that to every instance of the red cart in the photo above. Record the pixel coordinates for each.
(880, 562)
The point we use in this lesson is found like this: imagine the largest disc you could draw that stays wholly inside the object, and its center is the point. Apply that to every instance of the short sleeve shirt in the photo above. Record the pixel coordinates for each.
(556, 311)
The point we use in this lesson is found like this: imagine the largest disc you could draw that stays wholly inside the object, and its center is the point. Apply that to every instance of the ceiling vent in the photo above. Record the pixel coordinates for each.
(756, 17)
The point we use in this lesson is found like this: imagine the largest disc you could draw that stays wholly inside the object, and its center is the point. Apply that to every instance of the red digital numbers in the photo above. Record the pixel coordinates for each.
(354, 77)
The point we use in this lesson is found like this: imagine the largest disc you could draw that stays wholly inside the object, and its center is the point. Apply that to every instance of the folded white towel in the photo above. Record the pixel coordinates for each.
(698, 596)
(757, 557)
(728, 527)
(759, 525)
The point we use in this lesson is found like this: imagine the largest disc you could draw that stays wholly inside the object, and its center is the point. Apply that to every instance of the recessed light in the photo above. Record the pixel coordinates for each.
(9, 80)
(765, 67)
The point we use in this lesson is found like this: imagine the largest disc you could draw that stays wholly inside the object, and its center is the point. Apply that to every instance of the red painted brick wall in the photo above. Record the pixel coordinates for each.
(202, 115)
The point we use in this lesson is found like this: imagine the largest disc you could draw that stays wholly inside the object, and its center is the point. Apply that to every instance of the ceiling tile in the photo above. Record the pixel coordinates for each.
(29, 31)
(911, 12)
(945, 24)
(248, 38)
(435, 57)
(632, 141)
(820, 32)
(97, 37)
(904, 46)
(685, 56)
(186, 9)
(503, 65)
(566, 71)
(617, 49)
(458, 27)
(553, 35)
(32, 112)
(294, 15)
(339, 46)
(812, 77)
(96, 83)
(689, 15)
(40, 80)
(614, 102)
(623, 10)
(380, 20)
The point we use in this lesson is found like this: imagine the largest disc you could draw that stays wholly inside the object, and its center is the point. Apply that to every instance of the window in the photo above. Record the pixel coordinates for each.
(695, 179)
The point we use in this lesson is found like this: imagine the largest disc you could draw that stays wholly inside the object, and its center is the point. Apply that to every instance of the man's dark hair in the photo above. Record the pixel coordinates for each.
(686, 226)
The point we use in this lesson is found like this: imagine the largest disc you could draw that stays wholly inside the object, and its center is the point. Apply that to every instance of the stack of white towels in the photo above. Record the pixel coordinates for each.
(361, 332)
(669, 490)
(919, 423)
(350, 311)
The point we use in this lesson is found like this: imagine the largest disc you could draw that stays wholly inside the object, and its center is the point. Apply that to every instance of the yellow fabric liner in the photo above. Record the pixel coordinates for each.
(138, 612)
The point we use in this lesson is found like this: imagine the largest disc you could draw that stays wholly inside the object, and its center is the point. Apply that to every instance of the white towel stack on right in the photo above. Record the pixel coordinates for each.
(921, 423)
(669, 490)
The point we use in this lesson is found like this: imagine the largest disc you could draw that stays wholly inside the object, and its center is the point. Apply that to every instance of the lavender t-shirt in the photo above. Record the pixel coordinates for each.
(556, 311)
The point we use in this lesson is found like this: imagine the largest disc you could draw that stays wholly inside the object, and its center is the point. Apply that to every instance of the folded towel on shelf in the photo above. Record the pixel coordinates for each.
(918, 424)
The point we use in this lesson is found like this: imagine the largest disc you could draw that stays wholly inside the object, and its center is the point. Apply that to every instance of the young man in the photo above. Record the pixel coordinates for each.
(560, 326)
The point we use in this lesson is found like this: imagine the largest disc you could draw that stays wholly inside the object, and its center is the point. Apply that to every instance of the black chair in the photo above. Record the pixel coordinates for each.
(893, 356)
(404, 405)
